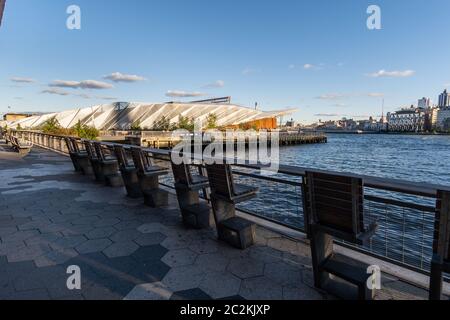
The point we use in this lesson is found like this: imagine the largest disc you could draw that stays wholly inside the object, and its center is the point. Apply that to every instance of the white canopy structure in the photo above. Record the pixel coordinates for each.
(121, 116)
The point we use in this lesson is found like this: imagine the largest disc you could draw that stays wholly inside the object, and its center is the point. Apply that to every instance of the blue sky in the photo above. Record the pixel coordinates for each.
(317, 56)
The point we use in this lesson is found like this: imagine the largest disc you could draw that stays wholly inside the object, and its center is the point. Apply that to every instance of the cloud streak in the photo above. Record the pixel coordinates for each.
(215, 84)
(392, 74)
(332, 96)
(183, 94)
(56, 91)
(85, 84)
(120, 77)
(22, 80)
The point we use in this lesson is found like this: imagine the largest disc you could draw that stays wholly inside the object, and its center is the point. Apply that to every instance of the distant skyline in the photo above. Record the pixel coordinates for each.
(317, 56)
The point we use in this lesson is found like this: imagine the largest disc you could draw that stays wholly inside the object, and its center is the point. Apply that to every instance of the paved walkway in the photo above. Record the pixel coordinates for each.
(52, 218)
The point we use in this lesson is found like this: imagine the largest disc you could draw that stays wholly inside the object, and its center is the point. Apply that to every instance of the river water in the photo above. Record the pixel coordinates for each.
(404, 234)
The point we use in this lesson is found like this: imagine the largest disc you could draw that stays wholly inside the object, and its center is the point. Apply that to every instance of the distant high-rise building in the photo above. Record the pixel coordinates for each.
(444, 99)
(424, 103)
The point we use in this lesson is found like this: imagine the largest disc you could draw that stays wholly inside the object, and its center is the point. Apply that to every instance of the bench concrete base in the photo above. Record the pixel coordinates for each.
(156, 198)
(197, 216)
(85, 164)
(337, 274)
(131, 181)
(110, 171)
(235, 231)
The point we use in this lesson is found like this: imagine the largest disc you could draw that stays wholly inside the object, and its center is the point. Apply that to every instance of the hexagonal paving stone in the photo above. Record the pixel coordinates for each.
(191, 294)
(183, 278)
(28, 253)
(173, 243)
(103, 232)
(68, 242)
(204, 246)
(106, 222)
(283, 273)
(150, 239)
(246, 268)
(85, 220)
(154, 227)
(19, 236)
(261, 288)
(150, 291)
(212, 262)
(55, 257)
(265, 254)
(125, 235)
(283, 244)
(301, 292)
(91, 246)
(120, 249)
(125, 225)
(181, 257)
(149, 253)
(220, 285)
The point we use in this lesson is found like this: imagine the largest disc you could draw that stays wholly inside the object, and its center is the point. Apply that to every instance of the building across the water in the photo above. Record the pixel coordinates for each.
(124, 115)
(11, 117)
(408, 120)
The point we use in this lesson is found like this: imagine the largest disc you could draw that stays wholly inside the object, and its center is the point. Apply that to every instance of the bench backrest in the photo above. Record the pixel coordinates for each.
(441, 242)
(335, 202)
(220, 178)
(90, 149)
(141, 162)
(121, 156)
(182, 173)
(75, 144)
(69, 145)
(99, 150)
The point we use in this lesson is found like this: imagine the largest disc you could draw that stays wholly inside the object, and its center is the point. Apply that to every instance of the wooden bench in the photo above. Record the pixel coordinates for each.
(234, 230)
(81, 156)
(440, 262)
(73, 154)
(195, 214)
(21, 147)
(334, 208)
(109, 166)
(129, 173)
(148, 175)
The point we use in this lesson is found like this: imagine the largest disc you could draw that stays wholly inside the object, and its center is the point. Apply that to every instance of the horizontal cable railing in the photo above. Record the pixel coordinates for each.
(404, 211)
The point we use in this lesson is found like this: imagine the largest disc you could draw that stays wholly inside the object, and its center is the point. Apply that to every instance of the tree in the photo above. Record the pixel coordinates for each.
(211, 121)
(186, 123)
(51, 126)
(85, 131)
(162, 124)
(136, 126)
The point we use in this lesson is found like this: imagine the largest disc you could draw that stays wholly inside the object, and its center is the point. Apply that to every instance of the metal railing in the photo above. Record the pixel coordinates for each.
(405, 211)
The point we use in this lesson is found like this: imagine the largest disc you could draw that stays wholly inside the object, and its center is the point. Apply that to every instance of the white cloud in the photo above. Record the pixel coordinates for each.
(183, 94)
(392, 74)
(85, 84)
(56, 91)
(247, 71)
(120, 77)
(291, 66)
(375, 94)
(22, 80)
(332, 96)
(328, 115)
(215, 84)
(308, 66)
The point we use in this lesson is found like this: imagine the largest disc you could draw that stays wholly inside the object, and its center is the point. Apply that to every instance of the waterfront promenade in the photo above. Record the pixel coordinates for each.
(52, 218)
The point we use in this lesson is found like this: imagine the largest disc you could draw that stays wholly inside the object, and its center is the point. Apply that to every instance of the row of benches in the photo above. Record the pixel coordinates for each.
(22, 147)
(333, 206)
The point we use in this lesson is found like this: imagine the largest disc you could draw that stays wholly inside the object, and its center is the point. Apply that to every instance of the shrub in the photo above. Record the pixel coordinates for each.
(185, 123)
(211, 121)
